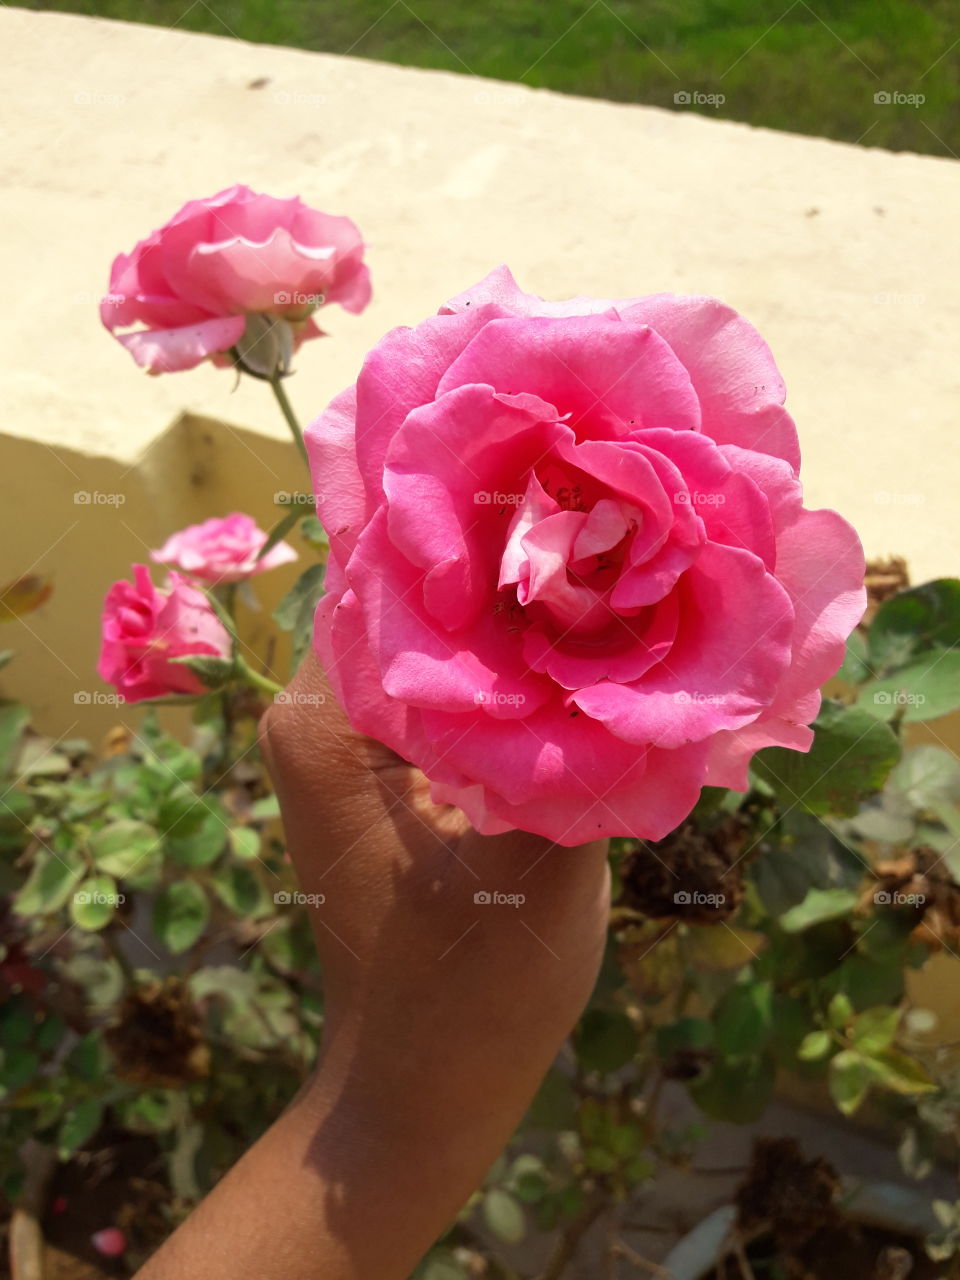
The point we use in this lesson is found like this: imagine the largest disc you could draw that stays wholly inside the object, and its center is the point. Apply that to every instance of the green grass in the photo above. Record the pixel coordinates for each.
(815, 70)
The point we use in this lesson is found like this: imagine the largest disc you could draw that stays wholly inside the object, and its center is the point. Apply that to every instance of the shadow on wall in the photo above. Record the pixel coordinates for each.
(85, 519)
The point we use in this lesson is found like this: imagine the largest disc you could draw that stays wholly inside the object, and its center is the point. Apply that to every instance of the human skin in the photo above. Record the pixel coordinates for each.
(442, 1014)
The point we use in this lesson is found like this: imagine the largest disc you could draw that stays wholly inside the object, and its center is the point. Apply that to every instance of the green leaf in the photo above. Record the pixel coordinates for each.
(504, 1216)
(265, 809)
(814, 1045)
(6, 656)
(237, 986)
(874, 1029)
(79, 1125)
(38, 758)
(94, 903)
(819, 905)
(856, 665)
(49, 884)
(14, 718)
(180, 915)
(743, 1019)
(849, 1080)
(125, 847)
(313, 532)
(87, 1058)
(901, 1074)
(686, 1033)
(807, 856)
(927, 777)
(181, 812)
(555, 1104)
(295, 611)
(16, 1022)
(151, 1112)
(207, 841)
(280, 530)
(852, 754)
(239, 890)
(926, 690)
(839, 1011)
(214, 672)
(916, 620)
(245, 843)
(18, 1066)
(605, 1040)
(737, 1090)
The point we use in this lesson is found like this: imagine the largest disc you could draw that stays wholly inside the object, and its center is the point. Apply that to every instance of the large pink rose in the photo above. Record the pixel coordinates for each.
(144, 629)
(571, 575)
(191, 286)
(223, 549)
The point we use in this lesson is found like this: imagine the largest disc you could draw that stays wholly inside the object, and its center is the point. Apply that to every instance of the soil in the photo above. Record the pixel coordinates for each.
(789, 1213)
(157, 1041)
(922, 874)
(112, 1187)
(704, 867)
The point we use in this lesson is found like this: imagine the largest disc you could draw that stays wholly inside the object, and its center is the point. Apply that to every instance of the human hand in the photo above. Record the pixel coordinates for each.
(442, 1012)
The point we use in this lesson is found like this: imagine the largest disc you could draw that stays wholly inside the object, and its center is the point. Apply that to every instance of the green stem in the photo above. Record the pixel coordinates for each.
(254, 678)
(286, 408)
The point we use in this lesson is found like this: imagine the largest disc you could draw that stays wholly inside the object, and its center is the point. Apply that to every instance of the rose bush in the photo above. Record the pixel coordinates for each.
(144, 631)
(187, 292)
(571, 576)
(223, 549)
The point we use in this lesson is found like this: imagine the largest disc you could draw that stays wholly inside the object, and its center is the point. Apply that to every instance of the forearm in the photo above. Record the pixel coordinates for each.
(349, 1185)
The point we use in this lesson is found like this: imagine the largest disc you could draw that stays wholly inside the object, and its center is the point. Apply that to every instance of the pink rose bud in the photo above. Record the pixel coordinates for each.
(144, 629)
(222, 550)
(185, 292)
(111, 1242)
(571, 575)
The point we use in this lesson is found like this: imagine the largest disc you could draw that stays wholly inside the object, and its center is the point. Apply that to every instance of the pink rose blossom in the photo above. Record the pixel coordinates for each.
(222, 549)
(186, 291)
(571, 576)
(144, 629)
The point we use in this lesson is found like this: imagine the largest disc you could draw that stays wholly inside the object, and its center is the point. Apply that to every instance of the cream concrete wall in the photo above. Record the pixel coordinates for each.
(846, 258)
